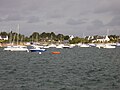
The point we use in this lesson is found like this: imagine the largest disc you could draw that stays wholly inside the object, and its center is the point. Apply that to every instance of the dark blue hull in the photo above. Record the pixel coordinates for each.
(37, 50)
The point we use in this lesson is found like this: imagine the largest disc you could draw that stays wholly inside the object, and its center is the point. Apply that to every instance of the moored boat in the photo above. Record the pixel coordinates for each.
(84, 45)
(16, 48)
(109, 46)
(37, 49)
(55, 52)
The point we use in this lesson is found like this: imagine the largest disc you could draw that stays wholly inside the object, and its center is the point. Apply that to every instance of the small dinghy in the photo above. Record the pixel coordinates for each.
(55, 52)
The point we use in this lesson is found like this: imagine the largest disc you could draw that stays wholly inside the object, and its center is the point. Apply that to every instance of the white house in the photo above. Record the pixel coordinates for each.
(3, 37)
(103, 39)
(71, 37)
(106, 38)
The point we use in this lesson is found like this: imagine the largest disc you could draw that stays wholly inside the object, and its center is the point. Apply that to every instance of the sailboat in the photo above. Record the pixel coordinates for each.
(17, 47)
(83, 45)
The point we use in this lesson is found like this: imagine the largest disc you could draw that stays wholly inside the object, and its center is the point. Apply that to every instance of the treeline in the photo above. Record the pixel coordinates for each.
(34, 37)
(52, 37)
(93, 39)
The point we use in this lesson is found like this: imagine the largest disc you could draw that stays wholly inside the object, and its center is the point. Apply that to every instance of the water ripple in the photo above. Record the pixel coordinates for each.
(73, 69)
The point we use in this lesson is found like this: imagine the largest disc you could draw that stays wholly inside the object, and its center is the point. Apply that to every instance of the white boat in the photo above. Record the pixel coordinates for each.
(92, 44)
(67, 46)
(45, 47)
(37, 48)
(52, 46)
(79, 44)
(8, 48)
(16, 48)
(109, 46)
(60, 46)
(105, 46)
(100, 45)
(118, 44)
(72, 45)
(84, 45)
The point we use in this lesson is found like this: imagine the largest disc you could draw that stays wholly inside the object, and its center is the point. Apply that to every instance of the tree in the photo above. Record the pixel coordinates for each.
(66, 37)
(60, 37)
(75, 40)
(3, 34)
(35, 37)
(53, 36)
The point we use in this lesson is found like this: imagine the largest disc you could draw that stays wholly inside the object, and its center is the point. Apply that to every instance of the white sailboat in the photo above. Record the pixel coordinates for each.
(109, 46)
(17, 47)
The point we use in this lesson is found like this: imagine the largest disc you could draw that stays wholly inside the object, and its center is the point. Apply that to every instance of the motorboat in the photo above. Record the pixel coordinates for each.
(37, 49)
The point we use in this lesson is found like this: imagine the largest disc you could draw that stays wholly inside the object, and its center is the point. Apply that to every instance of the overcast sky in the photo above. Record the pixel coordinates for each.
(70, 17)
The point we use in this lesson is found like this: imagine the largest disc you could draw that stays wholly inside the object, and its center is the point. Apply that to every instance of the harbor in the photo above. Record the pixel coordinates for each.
(59, 44)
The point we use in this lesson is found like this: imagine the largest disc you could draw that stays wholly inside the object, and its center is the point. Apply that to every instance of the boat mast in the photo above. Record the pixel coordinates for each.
(10, 37)
(18, 34)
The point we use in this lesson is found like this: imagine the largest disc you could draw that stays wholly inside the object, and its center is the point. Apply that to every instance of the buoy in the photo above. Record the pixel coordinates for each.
(55, 52)
(40, 53)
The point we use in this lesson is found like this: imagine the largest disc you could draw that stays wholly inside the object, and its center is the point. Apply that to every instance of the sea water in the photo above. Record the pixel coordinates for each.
(73, 69)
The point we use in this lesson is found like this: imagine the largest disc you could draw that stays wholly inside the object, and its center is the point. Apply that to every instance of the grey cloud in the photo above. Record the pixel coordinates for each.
(10, 3)
(56, 16)
(13, 18)
(109, 6)
(115, 21)
(33, 19)
(10, 6)
(97, 23)
(76, 22)
(49, 23)
(1, 19)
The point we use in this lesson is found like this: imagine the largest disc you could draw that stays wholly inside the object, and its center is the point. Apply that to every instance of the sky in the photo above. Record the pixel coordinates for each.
(69, 17)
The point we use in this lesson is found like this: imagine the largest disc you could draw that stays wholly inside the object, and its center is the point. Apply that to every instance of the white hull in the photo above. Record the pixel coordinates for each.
(109, 46)
(84, 45)
(105, 46)
(16, 48)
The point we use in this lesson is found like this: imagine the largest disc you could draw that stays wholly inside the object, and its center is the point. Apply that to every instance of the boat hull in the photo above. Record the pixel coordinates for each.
(37, 50)
(55, 52)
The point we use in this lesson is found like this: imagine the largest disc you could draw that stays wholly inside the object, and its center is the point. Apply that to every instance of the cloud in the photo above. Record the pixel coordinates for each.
(115, 21)
(97, 23)
(49, 23)
(53, 15)
(33, 19)
(7, 4)
(108, 6)
(14, 18)
(76, 22)
(56, 16)
(1, 19)
(95, 26)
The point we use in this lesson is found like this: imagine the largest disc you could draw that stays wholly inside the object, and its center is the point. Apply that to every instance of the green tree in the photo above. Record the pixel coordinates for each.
(66, 37)
(3, 34)
(35, 37)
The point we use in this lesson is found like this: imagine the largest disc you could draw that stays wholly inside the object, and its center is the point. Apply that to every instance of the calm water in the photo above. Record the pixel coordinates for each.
(73, 69)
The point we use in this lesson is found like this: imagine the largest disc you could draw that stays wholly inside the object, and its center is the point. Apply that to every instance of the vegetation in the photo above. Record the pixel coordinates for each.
(34, 37)
(52, 37)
